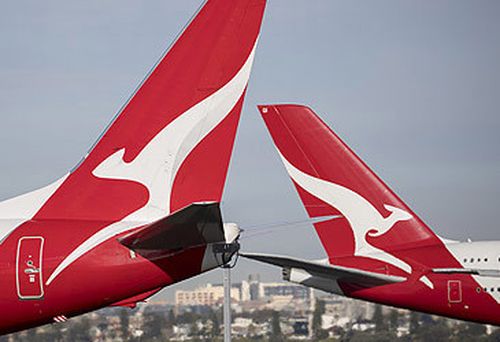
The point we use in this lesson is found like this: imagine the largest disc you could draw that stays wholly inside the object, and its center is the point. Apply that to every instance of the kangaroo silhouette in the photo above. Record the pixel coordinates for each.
(158, 163)
(362, 216)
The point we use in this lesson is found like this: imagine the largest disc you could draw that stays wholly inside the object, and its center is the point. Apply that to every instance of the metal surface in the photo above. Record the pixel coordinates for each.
(227, 304)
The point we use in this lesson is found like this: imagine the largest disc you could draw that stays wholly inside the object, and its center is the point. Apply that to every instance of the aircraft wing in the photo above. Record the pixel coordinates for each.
(337, 273)
(196, 225)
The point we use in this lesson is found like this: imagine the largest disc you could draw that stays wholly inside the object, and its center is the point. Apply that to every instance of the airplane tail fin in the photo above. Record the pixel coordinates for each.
(171, 143)
(331, 181)
(168, 147)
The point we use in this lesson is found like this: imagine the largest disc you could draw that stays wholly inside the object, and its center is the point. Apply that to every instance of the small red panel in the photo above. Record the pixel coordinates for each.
(29, 268)
(454, 291)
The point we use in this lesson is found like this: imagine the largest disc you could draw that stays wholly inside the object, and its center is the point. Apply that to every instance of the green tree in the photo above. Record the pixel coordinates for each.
(51, 333)
(470, 332)
(436, 330)
(414, 322)
(187, 318)
(319, 310)
(394, 320)
(260, 316)
(215, 324)
(124, 322)
(359, 336)
(171, 318)
(276, 335)
(153, 324)
(78, 330)
(378, 319)
(366, 336)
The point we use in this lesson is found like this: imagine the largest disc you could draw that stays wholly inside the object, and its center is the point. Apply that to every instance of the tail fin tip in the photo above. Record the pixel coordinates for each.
(269, 108)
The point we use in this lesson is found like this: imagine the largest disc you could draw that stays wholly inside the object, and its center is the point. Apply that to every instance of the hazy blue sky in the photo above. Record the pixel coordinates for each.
(412, 86)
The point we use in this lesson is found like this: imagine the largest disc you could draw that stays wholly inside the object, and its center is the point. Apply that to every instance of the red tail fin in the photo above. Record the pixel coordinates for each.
(332, 180)
(171, 144)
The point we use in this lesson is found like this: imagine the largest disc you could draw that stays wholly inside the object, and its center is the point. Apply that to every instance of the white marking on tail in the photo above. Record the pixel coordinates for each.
(158, 163)
(427, 281)
(364, 219)
(16, 211)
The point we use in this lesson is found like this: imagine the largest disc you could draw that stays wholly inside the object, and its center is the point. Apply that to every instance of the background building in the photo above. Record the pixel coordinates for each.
(208, 295)
(246, 291)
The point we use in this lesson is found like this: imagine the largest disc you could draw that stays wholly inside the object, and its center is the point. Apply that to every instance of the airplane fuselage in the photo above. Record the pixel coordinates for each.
(469, 292)
(473, 296)
(109, 274)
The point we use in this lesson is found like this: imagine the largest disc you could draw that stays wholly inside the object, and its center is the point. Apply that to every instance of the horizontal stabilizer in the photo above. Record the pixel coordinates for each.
(196, 225)
(345, 274)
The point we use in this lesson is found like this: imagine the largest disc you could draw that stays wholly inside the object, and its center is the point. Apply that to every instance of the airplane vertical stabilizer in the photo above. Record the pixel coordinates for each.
(375, 224)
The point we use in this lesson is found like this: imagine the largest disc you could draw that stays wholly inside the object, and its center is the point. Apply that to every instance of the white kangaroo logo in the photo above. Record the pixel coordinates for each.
(158, 163)
(364, 219)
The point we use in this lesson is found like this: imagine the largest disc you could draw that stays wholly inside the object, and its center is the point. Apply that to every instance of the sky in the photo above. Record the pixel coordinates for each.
(412, 86)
